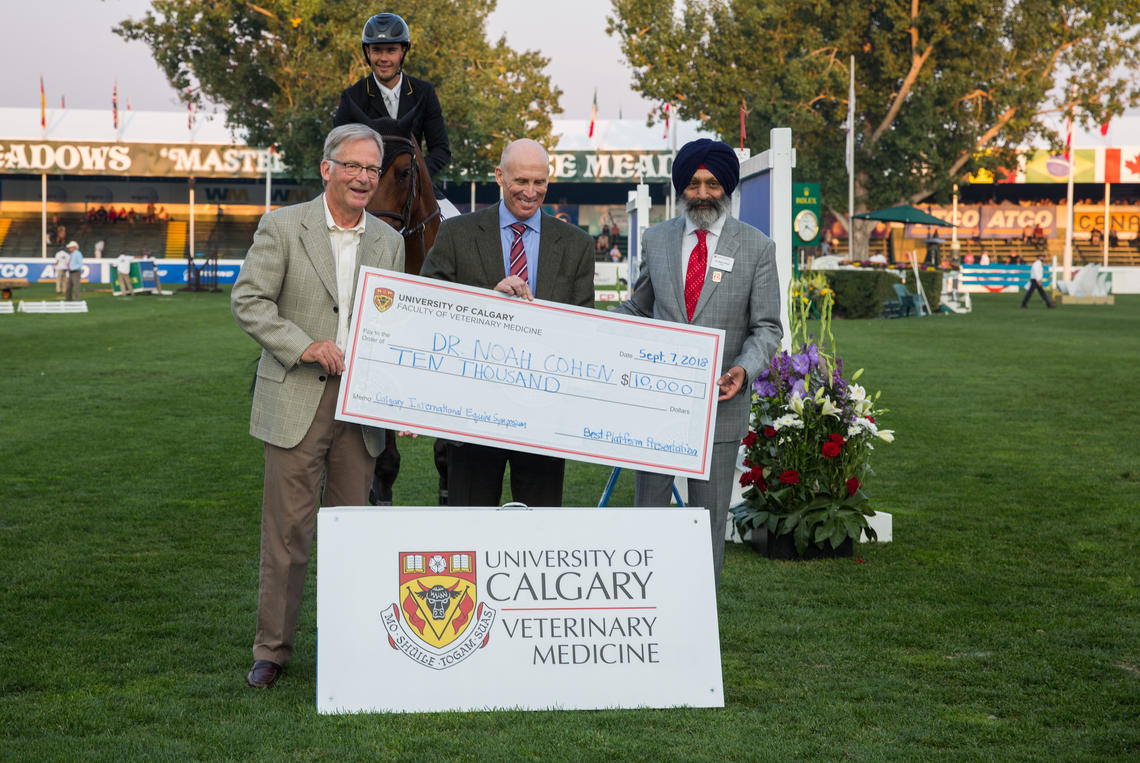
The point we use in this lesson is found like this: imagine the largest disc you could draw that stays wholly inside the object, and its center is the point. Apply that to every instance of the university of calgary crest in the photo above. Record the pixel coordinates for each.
(437, 619)
(383, 298)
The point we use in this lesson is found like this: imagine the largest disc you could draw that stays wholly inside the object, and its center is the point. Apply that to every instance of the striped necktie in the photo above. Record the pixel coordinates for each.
(518, 253)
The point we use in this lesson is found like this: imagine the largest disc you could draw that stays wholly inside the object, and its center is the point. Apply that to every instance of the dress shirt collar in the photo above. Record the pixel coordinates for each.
(714, 229)
(358, 228)
(534, 222)
(394, 92)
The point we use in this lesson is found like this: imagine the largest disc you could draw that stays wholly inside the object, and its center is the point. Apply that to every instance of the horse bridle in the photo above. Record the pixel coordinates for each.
(407, 229)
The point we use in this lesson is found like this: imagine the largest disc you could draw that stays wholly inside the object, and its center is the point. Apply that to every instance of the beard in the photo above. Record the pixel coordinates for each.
(705, 212)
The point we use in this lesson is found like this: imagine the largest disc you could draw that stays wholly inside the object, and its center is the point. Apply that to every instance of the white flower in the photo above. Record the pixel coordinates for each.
(861, 425)
(856, 393)
(788, 421)
(796, 403)
(829, 408)
(887, 435)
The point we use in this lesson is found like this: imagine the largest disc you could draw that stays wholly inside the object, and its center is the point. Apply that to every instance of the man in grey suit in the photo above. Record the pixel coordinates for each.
(514, 248)
(709, 269)
(294, 297)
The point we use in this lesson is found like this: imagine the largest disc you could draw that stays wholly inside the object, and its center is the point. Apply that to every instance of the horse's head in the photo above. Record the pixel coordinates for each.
(404, 197)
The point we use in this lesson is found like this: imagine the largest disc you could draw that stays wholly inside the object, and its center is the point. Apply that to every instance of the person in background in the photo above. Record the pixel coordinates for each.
(74, 271)
(123, 267)
(386, 92)
(61, 259)
(1036, 276)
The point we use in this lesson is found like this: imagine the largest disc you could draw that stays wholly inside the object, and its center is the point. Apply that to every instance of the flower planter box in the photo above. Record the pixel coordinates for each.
(784, 547)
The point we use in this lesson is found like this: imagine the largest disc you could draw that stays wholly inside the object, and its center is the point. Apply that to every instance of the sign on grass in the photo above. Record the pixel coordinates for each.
(426, 609)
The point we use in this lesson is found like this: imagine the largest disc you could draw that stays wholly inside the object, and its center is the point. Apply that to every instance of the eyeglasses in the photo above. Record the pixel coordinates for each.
(352, 169)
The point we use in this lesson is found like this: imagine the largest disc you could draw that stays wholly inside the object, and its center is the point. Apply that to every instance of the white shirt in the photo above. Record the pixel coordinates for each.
(123, 263)
(689, 241)
(391, 95)
(61, 258)
(1037, 271)
(344, 242)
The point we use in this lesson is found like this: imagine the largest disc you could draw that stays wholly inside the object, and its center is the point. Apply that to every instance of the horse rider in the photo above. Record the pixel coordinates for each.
(388, 92)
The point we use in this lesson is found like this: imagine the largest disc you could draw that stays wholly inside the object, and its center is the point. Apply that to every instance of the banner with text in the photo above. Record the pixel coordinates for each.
(430, 610)
(477, 366)
(140, 159)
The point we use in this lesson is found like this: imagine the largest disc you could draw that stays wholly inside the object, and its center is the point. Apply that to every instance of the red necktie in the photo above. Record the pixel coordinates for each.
(518, 254)
(695, 275)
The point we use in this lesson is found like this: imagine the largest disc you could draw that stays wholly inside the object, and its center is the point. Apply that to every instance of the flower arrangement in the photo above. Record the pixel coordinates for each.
(811, 436)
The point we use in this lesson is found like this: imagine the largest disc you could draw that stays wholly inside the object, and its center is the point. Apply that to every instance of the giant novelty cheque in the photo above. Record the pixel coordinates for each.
(476, 366)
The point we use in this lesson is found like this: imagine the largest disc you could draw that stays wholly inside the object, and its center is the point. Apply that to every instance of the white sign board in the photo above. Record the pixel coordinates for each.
(477, 366)
(426, 609)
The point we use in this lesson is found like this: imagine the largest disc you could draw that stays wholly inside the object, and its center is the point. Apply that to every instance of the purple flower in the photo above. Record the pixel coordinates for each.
(813, 355)
(764, 388)
(801, 364)
(798, 388)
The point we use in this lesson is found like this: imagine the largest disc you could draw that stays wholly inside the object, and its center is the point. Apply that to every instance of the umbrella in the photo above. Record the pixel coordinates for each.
(904, 214)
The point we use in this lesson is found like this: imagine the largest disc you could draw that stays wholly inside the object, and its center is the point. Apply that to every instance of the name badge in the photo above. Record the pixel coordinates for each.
(722, 263)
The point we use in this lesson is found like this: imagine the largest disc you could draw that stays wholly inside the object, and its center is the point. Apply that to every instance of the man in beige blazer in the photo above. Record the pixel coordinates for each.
(294, 297)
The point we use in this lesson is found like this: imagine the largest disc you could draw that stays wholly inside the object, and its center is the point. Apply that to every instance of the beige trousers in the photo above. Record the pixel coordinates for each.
(336, 450)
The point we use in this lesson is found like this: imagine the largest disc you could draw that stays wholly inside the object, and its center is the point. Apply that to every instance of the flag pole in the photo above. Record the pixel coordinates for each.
(43, 175)
(1071, 156)
(851, 163)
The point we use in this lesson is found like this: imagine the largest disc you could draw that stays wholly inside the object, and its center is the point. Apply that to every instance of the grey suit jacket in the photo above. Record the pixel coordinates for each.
(745, 303)
(469, 250)
(285, 297)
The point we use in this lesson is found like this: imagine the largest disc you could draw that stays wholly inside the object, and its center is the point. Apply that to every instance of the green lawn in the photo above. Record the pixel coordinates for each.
(1003, 622)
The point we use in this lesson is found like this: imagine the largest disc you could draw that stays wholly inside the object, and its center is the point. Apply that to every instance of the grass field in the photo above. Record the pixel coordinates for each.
(1003, 622)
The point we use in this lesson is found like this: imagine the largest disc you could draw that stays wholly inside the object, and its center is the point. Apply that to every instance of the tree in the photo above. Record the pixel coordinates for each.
(277, 67)
(943, 87)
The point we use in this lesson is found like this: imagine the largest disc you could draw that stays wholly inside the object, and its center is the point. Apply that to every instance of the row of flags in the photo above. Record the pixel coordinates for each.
(115, 105)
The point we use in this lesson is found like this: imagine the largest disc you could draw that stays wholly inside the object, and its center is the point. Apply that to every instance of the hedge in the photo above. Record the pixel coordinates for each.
(861, 293)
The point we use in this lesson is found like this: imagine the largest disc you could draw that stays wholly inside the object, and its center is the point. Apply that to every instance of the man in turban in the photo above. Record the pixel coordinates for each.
(707, 268)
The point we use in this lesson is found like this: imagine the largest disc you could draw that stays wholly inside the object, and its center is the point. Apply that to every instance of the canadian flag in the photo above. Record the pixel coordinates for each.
(1121, 165)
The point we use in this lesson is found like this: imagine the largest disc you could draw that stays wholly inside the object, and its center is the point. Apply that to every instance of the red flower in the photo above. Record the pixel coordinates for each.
(754, 476)
(749, 439)
(769, 432)
(760, 485)
(830, 449)
(837, 438)
(871, 419)
(790, 477)
(853, 484)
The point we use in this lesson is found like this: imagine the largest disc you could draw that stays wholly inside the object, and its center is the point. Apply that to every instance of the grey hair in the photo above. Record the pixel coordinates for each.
(348, 132)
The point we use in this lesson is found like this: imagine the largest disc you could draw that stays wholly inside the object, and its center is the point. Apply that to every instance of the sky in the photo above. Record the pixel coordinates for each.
(71, 44)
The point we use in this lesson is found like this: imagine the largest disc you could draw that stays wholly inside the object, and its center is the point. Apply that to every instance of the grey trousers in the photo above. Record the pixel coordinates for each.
(712, 494)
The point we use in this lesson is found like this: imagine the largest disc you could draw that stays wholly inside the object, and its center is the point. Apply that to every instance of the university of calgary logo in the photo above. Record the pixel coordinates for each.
(383, 298)
(437, 619)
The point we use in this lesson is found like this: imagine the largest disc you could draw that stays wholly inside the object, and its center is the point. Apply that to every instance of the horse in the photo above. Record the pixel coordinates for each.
(404, 199)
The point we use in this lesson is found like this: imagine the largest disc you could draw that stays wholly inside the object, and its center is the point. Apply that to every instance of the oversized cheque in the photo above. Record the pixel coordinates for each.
(476, 366)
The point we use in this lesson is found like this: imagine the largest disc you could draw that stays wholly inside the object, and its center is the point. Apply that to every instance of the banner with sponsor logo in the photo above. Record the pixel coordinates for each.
(988, 221)
(611, 166)
(430, 610)
(138, 159)
(102, 270)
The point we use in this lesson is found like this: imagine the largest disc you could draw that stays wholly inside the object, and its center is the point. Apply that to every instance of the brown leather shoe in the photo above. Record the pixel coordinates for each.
(263, 674)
